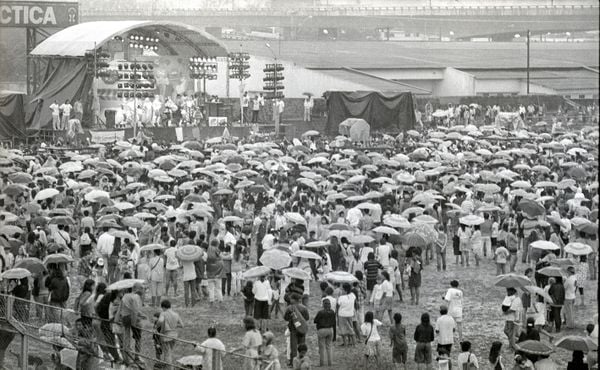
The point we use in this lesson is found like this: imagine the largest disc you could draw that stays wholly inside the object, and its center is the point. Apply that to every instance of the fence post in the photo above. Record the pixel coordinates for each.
(216, 359)
(24, 352)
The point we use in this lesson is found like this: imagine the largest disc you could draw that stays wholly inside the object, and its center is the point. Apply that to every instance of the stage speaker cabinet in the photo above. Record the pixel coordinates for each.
(109, 115)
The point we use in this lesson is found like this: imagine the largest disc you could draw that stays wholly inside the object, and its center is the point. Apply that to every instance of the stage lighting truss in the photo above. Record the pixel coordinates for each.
(138, 41)
(239, 65)
(203, 68)
(273, 80)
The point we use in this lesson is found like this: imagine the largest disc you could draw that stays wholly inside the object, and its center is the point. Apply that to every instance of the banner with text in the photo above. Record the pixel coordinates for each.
(38, 13)
(104, 137)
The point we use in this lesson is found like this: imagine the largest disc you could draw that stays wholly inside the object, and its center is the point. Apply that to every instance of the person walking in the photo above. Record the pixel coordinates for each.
(373, 339)
(556, 290)
(172, 267)
(131, 317)
(440, 248)
(423, 336)
(512, 308)
(466, 359)
(157, 276)
(262, 295)
(346, 305)
(445, 328)
(214, 270)
(414, 268)
(168, 322)
(570, 285)
(325, 321)
(399, 345)
(59, 290)
(297, 316)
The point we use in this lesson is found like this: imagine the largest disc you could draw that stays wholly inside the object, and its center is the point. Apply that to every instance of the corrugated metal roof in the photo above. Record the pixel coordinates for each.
(391, 54)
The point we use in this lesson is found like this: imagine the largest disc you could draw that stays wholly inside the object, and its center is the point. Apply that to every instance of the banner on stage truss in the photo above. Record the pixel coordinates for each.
(105, 137)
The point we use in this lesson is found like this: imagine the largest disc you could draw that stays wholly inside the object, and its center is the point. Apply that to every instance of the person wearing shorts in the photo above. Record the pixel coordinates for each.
(423, 336)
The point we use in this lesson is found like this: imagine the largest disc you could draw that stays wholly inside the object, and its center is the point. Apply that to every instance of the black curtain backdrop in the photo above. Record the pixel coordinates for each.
(12, 115)
(65, 78)
(384, 112)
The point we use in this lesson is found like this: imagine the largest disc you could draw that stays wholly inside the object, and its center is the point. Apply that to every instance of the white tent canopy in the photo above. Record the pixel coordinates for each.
(75, 41)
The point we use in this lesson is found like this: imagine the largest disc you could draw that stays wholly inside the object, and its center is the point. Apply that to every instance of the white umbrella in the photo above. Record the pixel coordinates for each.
(578, 249)
(385, 230)
(46, 194)
(471, 220)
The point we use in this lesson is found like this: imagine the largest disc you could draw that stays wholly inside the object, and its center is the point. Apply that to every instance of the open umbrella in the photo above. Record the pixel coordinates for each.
(34, 265)
(532, 208)
(471, 220)
(125, 284)
(535, 347)
(295, 218)
(10, 230)
(256, 271)
(132, 222)
(316, 244)
(53, 330)
(46, 194)
(152, 247)
(189, 252)
(385, 230)
(551, 271)
(512, 280)
(57, 258)
(15, 273)
(577, 343)
(426, 219)
(296, 273)
(544, 245)
(539, 291)
(276, 259)
(396, 221)
(340, 277)
(361, 239)
(306, 254)
(578, 249)
(414, 239)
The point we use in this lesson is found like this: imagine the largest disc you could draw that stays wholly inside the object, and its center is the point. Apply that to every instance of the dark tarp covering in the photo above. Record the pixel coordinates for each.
(12, 115)
(65, 78)
(385, 112)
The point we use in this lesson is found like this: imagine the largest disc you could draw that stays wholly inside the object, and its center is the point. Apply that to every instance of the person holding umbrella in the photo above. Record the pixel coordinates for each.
(512, 308)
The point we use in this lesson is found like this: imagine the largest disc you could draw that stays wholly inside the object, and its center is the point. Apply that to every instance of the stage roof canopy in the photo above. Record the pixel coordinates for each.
(76, 40)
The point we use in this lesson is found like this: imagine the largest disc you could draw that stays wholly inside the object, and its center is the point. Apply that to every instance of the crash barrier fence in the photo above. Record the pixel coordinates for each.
(51, 335)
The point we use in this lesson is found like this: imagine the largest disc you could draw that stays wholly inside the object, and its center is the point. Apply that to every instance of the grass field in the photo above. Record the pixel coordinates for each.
(482, 322)
(482, 318)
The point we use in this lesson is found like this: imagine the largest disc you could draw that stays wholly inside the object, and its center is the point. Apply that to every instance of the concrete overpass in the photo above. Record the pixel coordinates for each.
(462, 22)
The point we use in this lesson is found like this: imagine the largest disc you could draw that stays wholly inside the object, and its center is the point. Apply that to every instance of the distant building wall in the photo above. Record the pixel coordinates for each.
(455, 83)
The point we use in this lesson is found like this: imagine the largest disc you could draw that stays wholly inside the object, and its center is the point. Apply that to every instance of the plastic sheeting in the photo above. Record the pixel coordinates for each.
(66, 78)
(385, 112)
(12, 115)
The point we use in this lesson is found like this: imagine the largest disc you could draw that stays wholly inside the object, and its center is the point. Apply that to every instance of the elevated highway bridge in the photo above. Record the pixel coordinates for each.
(463, 22)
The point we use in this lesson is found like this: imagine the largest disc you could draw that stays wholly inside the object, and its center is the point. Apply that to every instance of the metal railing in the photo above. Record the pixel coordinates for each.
(51, 335)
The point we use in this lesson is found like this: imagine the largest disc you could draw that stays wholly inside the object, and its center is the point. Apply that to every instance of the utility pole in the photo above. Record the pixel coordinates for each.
(528, 37)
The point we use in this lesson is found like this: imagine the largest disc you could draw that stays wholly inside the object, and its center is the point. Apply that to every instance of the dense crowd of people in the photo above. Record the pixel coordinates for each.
(258, 220)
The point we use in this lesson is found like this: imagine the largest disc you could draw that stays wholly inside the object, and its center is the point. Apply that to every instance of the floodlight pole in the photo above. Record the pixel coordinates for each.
(134, 97)
(528, 36)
